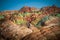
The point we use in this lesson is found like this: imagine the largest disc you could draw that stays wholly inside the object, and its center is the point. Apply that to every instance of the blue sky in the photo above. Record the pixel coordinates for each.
(18, 4)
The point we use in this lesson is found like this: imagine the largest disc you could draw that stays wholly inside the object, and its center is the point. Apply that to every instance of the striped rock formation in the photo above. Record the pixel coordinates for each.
(11, 31)
(45, 33)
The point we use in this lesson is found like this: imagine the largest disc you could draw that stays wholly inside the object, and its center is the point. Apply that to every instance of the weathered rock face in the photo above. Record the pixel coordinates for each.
(50, 10)
(11, 31)
(45, 33)
(33, 28)
(53, 21)
(23, 24)
(27, 9)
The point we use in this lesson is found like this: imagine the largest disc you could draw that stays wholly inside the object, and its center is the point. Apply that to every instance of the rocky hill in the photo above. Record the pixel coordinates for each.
(30, 23)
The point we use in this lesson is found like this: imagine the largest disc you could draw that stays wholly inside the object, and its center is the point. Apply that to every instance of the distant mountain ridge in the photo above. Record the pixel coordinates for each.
(48, 9)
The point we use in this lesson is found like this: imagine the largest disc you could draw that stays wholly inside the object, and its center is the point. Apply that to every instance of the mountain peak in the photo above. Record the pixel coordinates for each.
(27, 9)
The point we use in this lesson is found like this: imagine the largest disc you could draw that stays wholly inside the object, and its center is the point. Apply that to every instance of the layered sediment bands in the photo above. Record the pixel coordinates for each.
(53, 20)
(11, 31)
(30, 24)
(45, 33)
